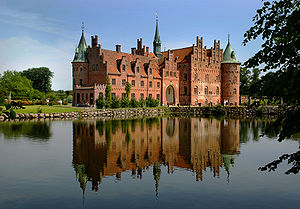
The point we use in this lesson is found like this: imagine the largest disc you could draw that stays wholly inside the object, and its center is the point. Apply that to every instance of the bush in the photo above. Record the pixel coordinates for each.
(125, 102)
(142, 102)
(100, 102)
(7, 106)
(150, 102)
(12, 114)
(115, 102)
(65, 102)
(134, 103)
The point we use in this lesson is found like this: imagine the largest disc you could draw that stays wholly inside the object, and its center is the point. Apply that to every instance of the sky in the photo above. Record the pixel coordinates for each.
(45, 33)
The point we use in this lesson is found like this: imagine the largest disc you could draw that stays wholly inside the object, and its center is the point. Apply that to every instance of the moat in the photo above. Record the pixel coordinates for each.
(165, 162)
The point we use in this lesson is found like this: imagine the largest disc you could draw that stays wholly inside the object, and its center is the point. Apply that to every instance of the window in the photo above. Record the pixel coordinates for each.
(142, 83)
(217, 91)
(185, 76)
(185, 90)
(171, 73)
(137, 69)
(206, 78)
(124, 67)
(150, 71)
(206, 90)
(133, 83)
(93, 67)
(150, 84)
(82, 97)
(158, 85)
(123, 95)
(150, 95)
(218, 78)
(234, 79)
(113, 81)
(97, 67)
(157, 96)
(113, 95)
(196, 90)
(123, 82)
(196, 76)
(80, 82)
(174, 74)
(167, 73)
(133, 95)
(141, 96)
(234, 91)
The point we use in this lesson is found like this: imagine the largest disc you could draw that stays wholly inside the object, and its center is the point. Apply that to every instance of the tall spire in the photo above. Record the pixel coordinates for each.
(81, 50)
(157, 42)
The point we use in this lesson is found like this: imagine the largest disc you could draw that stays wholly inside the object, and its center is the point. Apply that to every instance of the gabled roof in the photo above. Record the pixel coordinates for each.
(114, 58)
(184, 54)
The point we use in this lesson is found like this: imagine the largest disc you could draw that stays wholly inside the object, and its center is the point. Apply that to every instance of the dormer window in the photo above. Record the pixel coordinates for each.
(137, 69)
(150, 71)
(123, 68)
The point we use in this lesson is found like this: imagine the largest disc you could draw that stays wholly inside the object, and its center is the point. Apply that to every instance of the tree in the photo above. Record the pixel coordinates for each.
(127, 89)
(13, 82)
(254, 87)
(100, 103)
(108, 93)
(40, 77)
(277, 23)
(244, 81)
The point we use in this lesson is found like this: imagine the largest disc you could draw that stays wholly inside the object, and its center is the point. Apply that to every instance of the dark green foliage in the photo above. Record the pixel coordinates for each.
(108, 94)
(127, 89)
(100, 103)
(277, 23)
(7, 106)
(125, 102)
(40, 77)
(134, 103)
(142, 102)
(244, 81)
(12, 114)
(150, 102)
(115, 102)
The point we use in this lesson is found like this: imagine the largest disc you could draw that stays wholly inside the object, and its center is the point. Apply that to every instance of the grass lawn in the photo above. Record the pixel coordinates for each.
(47, 109)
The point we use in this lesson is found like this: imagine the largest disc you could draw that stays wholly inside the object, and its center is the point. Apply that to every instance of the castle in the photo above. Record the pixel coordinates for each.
(193, 75)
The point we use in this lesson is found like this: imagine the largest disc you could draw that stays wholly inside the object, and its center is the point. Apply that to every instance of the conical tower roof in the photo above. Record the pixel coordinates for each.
(229, 55)
(81, 50)
(156, 36)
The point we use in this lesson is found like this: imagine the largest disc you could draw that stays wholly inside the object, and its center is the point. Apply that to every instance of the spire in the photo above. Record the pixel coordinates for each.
(157, 42)
(156, 176)
(229, 55)
(81, 50)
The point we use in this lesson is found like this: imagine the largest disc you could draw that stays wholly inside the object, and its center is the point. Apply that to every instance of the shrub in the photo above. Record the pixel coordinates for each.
(142, 102)
(7, 106)
(134, 103)
(12, 114)
(150, 102)
(65, 102)
(115, 102)
(125, 102)
(100, 103)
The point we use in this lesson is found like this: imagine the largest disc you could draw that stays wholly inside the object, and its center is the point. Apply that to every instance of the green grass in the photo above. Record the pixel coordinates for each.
(47, 109)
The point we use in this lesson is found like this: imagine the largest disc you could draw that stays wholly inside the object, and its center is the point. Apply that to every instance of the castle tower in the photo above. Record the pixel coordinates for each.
(230, 69)
(80, 67)
(157, 42)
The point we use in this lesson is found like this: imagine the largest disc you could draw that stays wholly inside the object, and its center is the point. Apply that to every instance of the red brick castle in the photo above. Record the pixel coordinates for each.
(187, 76)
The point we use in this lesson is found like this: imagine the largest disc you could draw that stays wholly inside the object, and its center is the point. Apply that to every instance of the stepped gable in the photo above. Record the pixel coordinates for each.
(114, 58)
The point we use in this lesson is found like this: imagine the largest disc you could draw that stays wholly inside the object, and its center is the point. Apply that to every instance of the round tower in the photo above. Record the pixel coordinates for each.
(230, 68)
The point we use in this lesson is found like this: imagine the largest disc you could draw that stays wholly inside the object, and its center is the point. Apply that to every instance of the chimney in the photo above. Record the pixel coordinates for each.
(118, 48)
(133, 51)
(94, 41)
(147, 50)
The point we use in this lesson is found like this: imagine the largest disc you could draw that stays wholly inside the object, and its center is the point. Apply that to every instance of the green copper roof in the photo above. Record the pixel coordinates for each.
(81, 50)
(157, 42)
(228, 162)
(229, 55)
(156, 37)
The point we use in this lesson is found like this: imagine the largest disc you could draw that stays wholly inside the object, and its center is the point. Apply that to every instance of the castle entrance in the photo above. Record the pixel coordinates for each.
(170, 95)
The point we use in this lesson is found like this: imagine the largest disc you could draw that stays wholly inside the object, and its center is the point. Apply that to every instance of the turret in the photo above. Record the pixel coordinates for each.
(81, 50)
(157, 42)
(230, 77)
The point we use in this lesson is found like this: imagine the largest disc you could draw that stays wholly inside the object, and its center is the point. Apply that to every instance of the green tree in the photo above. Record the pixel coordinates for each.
(19, 86)
(40, 77)
(115, 103)
(127, 89)
(108, 93)
(244, 81)
(254, 87)
(100, 103)
(277, 23)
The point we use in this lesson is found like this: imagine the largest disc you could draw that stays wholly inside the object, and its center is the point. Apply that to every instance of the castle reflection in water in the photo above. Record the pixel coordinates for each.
(107, 148)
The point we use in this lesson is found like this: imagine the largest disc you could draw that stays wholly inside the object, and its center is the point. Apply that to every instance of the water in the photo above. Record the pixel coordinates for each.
(149, 163)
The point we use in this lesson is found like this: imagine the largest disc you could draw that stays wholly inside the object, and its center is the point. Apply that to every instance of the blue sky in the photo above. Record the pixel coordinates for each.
(37, 33)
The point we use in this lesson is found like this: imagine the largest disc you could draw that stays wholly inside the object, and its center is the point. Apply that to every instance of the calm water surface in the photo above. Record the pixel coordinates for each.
(148, 163)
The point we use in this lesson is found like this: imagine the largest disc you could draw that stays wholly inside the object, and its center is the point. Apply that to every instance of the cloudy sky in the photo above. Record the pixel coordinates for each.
(37, 33)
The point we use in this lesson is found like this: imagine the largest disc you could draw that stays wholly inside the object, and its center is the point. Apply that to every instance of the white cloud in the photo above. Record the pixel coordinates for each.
(21, 53)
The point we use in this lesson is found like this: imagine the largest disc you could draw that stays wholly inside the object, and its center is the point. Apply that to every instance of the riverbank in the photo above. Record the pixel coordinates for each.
(127, 113)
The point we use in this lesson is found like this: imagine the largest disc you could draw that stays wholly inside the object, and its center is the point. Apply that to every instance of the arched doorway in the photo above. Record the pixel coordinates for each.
(170, 95)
